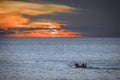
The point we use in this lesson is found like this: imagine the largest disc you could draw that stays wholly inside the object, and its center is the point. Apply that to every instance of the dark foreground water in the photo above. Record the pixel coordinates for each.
(54, 58)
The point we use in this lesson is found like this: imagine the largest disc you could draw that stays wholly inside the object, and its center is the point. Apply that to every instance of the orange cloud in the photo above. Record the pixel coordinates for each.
(11, 12)
(44, 33)
(12, 16)
(45, 24)
(20, 7)
(8, 20)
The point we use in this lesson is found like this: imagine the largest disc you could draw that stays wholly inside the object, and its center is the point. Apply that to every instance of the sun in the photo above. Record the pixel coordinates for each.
(53, 31)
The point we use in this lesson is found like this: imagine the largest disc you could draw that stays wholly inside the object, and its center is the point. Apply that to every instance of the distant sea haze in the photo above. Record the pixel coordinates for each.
(54, 58)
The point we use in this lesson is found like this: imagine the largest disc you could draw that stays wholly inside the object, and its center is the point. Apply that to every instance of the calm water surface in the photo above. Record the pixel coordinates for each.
(54, 58)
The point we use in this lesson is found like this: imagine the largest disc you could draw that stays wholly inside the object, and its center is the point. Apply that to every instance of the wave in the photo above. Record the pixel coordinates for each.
(92, 67)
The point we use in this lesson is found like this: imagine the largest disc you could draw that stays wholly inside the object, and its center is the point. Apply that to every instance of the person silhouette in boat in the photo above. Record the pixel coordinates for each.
(83, 65)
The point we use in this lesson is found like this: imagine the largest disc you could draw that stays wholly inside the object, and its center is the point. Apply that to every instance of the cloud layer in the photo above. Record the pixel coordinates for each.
(20, 7)
(13, 22)
(13, 11)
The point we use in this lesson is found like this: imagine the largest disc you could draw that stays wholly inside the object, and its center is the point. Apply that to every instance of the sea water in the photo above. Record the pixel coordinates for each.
(54, 58)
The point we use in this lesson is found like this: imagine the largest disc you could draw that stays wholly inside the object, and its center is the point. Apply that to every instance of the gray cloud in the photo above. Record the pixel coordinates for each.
(97, 18)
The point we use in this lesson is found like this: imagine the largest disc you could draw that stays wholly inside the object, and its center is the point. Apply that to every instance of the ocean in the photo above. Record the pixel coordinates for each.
(54, 58)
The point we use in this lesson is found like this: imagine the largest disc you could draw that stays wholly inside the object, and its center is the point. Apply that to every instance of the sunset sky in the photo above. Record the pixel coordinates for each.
(59, 18)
